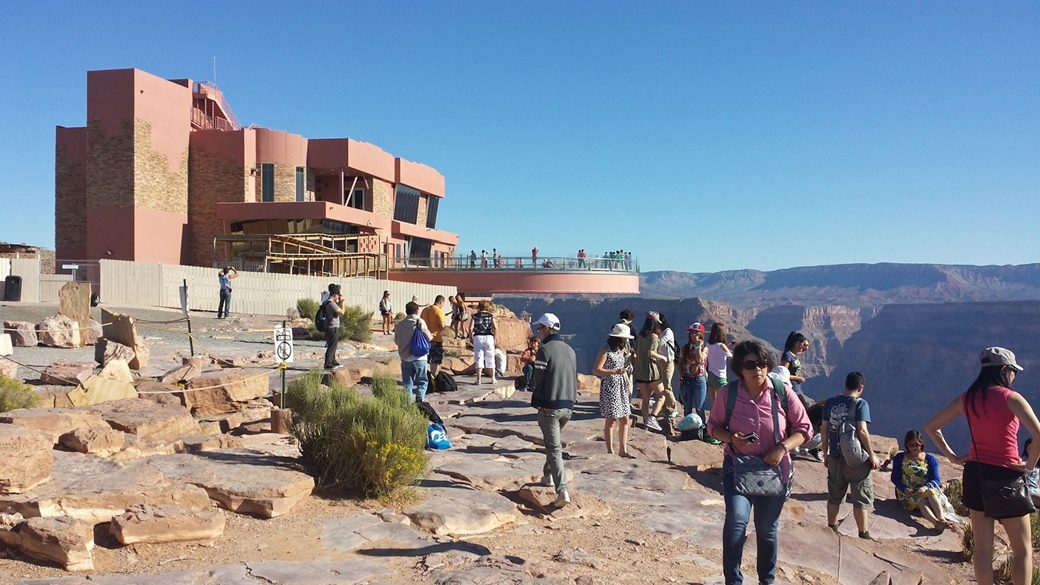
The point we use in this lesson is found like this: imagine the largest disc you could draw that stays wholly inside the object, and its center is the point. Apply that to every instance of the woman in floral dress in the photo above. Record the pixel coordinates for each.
(916, 477)
(612, 368)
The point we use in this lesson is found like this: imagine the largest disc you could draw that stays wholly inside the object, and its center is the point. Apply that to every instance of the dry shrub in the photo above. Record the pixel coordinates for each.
(307, 307)
(354, 324)
(15, 395)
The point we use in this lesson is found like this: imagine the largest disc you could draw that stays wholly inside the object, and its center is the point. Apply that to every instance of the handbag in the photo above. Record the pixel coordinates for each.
(752, 476)
(1002, 498)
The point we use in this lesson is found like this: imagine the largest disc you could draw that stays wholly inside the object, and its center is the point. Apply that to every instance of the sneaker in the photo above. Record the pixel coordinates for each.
(833, 527)
(673, 414)
(712, 440)
(547, 481)
(562, 499)
(652, 424)
(866, 536)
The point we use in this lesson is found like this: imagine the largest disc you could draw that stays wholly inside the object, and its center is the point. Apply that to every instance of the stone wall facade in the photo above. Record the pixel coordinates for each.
(156, 186)
(110, 165)
(382, 198)
(70, 206)
(212, 179)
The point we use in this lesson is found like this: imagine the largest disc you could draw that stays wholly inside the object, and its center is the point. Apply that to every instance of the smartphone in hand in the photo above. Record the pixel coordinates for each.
(750, 437)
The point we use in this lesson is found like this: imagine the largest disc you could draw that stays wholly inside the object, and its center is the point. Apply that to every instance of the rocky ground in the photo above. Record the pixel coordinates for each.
(477, 517)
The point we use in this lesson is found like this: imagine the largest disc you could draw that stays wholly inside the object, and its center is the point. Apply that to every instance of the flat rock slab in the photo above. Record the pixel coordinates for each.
(147, 419)
(94, 489)
(696, 455)
(102, 442)
(67, 373)
(268, 573)
(627, 481)
(462, 511)
(242, 480)
(64, 541)
(27, 459)
(541, 498)
(353, 532)
(54, 421)
(166, 523)
(213, 394)
(490, 472)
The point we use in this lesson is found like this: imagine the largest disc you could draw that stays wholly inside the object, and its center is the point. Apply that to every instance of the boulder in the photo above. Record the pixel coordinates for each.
(107, 350)
(54, 422)
(74, 303)
(113, 382)
(94, 489)
(94, 332)
(65, 541)
(213, 442)
(166, 523)
(512, 333)
(27, 459)
(5, 344)
(460, 512)
(103, 442)
(121, 329)
(215, 394)
(184, 373)
(243, 481)
(149, 420)
(59, 331)
(588, 384)
(67, 373)
(23, 333)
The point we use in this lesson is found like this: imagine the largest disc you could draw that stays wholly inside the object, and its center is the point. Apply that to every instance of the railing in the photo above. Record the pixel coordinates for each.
(223, 105)
(206, 122)
(519, 263)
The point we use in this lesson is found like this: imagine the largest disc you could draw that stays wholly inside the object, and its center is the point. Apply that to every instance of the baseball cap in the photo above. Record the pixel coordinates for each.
(696, 327)
(998, 356)
(550, 321)
(654, 315)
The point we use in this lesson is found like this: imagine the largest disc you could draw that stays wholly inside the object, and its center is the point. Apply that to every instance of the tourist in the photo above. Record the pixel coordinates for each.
(749, 430)
(455, 320)
(333, 307)
(519, 262)
(553, 393)
(483, 259)
(612, 367)
(916, 477)
(464, 314)
(482, 336)
(435, 320)
(718, 354)
(994, 412)
(386, 311)
(841, 474)
(581, 258)
(795, 345)
(527, 361)
(693, 385)
(472, 258)
(534, 257)
(224, 278)
(646, 369)
(413, 367)
(667, 347)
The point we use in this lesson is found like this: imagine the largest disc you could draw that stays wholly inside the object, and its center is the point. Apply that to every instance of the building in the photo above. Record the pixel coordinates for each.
(164, 172)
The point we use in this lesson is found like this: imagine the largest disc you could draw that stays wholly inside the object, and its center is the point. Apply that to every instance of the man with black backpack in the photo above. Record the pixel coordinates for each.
(331, 309)
(412, 337)
(848, 455)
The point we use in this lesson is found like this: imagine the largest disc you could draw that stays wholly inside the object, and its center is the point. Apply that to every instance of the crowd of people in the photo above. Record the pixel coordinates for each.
(615, 260)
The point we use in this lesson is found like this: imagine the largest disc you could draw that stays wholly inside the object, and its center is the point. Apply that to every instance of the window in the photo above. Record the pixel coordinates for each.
(419, 248)
(301, 183)
(406, 204)
(431, 211)
(266, 182)
(357, 200)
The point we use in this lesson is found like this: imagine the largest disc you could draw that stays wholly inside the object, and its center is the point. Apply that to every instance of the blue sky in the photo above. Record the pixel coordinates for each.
(701, 136)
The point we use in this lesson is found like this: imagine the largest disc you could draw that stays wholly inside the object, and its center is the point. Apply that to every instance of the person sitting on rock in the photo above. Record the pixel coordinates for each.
(527, 361)
(916, 477)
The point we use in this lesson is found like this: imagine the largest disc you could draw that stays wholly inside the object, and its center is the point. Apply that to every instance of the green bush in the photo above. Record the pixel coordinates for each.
(968, 543)
(307, 307)
(371, 446)
(354, 324)
(954, 492)
(14, 395)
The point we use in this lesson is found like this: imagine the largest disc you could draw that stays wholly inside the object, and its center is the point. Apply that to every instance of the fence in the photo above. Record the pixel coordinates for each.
(142, 284)
(29, 270)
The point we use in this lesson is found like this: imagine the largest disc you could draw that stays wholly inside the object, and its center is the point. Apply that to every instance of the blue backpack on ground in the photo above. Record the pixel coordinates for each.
(420, 345)
(437, 437)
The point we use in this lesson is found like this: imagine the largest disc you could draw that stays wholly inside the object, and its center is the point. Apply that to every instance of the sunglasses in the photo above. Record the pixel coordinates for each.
(752, 364)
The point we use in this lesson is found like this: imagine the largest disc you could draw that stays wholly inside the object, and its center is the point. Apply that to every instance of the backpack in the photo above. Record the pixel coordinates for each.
(437, 437)
(429, 412)
(445, 382)
(420, 346)
(848, 440)
(321, 318)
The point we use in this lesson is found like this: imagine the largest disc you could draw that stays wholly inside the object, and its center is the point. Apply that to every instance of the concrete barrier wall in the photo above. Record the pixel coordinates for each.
(141, 284)
(29, 270)
(50, 284)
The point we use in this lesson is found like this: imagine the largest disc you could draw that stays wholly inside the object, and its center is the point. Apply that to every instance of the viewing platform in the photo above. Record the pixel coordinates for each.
(521, 275)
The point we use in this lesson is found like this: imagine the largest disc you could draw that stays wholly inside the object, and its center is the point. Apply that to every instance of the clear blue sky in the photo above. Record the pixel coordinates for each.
(702, 136)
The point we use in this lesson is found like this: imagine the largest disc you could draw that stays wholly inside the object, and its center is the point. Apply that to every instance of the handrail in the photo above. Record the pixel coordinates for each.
(231, 117)
(629, 265)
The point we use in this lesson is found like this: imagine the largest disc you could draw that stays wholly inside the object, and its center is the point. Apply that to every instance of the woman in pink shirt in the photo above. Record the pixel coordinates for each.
(994, 412)
(750, 431)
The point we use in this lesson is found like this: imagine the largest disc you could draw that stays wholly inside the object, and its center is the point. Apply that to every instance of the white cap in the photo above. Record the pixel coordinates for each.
(550, 321)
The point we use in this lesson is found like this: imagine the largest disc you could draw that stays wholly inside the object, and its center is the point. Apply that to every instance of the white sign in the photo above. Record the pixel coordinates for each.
(184, 299)
(70, 266)
(283, 345)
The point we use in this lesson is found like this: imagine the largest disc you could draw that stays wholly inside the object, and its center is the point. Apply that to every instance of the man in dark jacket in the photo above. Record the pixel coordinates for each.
(554, 388)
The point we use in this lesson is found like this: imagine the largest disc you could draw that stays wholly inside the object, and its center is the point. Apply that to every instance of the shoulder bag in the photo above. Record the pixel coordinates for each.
(1002, 498)
(752, 476)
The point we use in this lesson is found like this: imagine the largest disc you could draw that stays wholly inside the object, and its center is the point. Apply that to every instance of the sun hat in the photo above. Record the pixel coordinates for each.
(998, 356)
(621, 330)
(550, 321)
(415, 299)
(696, 327)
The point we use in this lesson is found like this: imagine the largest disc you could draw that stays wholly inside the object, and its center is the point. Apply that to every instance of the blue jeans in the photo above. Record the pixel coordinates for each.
(693, 394)
(225, 302)
(413, 375)
(551, 423)
(734, 531)
(528, 375)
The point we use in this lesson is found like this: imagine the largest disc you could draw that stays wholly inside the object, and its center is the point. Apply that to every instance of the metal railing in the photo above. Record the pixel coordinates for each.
(627, 264)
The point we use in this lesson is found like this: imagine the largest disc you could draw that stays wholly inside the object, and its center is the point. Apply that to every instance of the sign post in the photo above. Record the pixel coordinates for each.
(73, 268)
(184, 307)
(283, 351)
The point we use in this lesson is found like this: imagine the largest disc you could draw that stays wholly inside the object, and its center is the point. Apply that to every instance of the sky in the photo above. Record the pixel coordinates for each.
(700, 136)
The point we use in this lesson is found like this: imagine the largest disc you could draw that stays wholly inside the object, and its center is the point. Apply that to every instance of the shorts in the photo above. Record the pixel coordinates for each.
(638, 381)
(436, 352)
(841, 476)
(971, 497)
(484, 350)
(716, 381)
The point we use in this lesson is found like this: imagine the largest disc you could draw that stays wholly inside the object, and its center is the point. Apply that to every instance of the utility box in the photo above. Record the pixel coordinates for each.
(13, 288)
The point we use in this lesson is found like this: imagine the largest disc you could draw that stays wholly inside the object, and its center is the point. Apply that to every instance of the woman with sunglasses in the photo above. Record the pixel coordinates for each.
(749, 430)
(994, 412)
(916, 477)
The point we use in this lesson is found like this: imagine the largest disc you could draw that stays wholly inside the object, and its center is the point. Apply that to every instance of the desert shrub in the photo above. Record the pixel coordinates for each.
(398, 317)
(968, 543)
(1003, 573)
(370, 446)
(354, 324)
(1034, 529)
(14, 395)
(954, 492)
(307, 307)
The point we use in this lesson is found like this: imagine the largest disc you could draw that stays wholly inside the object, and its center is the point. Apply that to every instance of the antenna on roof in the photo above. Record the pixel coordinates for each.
(214, 69)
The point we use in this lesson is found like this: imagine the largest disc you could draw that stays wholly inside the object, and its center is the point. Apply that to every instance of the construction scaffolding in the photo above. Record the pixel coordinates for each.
(307, 254)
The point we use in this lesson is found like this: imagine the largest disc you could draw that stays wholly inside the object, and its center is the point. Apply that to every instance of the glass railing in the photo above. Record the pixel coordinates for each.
(627, 264)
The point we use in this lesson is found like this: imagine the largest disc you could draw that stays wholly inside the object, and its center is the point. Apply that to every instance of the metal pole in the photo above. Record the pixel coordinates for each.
(282, 395)
(191, 342)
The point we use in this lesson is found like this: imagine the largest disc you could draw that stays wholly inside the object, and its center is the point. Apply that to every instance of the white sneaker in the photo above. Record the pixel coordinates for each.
(652, 424)
(562, 499)
(547, 481)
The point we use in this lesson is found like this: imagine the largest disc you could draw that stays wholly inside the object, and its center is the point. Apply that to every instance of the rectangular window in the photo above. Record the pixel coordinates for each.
(266, 182)
(431, 211)
(301, 183)
(357, 199)
(406, 204)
